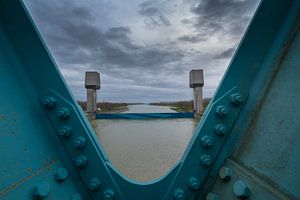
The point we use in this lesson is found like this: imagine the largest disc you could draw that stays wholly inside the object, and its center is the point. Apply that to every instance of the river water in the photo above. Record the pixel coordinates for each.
(144, 150)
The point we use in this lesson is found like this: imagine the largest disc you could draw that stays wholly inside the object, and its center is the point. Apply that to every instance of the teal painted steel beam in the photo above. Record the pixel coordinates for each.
(50, 151)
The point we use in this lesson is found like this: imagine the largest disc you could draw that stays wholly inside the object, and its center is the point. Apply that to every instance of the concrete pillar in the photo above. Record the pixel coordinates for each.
(92, 84)
(197, 82)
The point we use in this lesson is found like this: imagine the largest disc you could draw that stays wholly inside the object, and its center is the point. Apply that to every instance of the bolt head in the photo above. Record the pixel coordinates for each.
(194, 183)
(212, 196)
(207, 141)
(206, 160)
(81, 161)
(41, 190)
(108, 194)
(222, 111)
(94, 184)
(63, 113)
(179, 194)
(48, 102)
(236, 99)
(225, 174)
(241, 189)
(220, 129)
(61, 174)
(79, 143)
(65, 131)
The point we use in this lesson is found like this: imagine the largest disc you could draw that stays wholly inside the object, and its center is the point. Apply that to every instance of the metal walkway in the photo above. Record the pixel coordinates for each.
(247, 145)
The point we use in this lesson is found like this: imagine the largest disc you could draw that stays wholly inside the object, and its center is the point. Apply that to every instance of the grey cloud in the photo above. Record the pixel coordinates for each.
(226, 16)
(81, 40)
(153, 15)
(225, 54)
(192, 38)
(76, 40)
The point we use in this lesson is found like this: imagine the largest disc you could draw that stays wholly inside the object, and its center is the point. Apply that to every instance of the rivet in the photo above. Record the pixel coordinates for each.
(212, 196)
(207, 141)
(76, 196)
(65, 131)
(236, 99)
(205, 160)
(225, 173)
(108, 194)
(194, 183)
(79, 143)
(41, 190)
(240, 189)
(63, 113)
(179, 194)
(221, 111)
(48, 102)
(61, 174)
(81, 161)
(94, 184)
(220, 129)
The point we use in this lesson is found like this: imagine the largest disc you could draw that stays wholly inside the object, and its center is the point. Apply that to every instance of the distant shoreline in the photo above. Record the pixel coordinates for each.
(177, 106)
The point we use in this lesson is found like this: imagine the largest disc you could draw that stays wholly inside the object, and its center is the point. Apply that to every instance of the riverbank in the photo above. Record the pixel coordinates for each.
(182, 106)
(107, 107)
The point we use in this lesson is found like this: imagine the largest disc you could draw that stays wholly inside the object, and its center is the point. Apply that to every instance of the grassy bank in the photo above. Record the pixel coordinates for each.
(106, 107)
(182, 106)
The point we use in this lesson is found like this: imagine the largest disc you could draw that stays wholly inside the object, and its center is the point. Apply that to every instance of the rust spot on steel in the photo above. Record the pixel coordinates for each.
(13, 186)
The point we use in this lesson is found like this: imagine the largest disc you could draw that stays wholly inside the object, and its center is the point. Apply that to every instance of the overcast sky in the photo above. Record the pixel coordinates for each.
(144, 49)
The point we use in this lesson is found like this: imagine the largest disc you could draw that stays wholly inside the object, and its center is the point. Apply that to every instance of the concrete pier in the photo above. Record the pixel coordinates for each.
(92, 84)
(197, 82)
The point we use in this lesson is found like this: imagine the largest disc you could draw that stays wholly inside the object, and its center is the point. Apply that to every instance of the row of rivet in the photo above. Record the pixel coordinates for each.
(240, 188)
(219, 129)
(207, 142)
(80, 161)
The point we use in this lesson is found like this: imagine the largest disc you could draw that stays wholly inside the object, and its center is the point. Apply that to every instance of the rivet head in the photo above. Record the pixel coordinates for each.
(108, 194)
(94, 184)
(220, 129)
(205, 160)
(222, 111)
(65, 131)
(79, 143)
(63, 113)
(41, 190)
(61, 174)
(212, 196)
(207, 141)
(179, 194)
(48, 102)
(240, 189)
(194, 183)
(81, 161)
(76, 196)
(225, 173)
(236, 99)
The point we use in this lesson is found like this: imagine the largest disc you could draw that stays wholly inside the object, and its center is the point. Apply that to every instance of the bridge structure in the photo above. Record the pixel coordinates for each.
(246, 146)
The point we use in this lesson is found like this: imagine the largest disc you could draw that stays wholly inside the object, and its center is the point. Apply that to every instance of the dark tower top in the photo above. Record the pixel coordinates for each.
(196, 78)
(92, 80)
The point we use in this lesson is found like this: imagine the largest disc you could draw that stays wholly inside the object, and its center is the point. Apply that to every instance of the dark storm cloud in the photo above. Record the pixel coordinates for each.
(139, 64)
(75, 39)
(226, 16)
(153, 15)
(225, 54)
